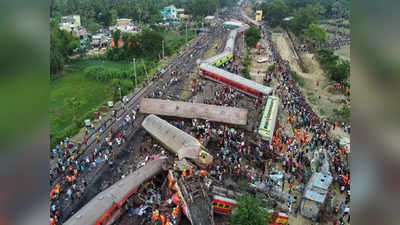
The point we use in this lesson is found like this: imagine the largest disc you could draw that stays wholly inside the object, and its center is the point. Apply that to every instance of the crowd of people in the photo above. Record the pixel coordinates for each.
(311, 134)
(74, 161)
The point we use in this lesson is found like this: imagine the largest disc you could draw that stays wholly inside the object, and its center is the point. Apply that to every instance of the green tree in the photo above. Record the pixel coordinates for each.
(62, 45)
(315, 34)
(326, 58)
(276, 11)
(340, 72)
(252, 36)
(248, 212)
(302, 19)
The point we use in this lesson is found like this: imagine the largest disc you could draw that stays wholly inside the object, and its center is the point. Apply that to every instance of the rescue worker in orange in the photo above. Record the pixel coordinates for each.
(190, 171)
(155, 218)
(184, 173)
(162, 217)
(203, 173)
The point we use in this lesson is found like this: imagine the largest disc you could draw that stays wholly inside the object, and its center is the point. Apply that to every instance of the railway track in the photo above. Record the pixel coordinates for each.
(95, 177)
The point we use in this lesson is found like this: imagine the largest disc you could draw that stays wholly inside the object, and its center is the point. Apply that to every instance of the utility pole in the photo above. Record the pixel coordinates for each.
(134, 69)
(144, 65)
(162, 42)
(186, 32)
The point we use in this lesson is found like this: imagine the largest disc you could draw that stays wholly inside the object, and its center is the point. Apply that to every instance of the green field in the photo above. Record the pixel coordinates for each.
(92, 94)
(344, 52)
(72, 83)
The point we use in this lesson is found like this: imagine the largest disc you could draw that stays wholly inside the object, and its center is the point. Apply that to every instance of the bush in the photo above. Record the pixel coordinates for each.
(338, 72)
(248, 212)
(342, 115)
(101, 73)
(245, 73)
(271, 68)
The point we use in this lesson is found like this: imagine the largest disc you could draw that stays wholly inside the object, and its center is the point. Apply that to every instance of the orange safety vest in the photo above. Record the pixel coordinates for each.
(162, 219)
(170, 184)
(184, 173)
(155, 215)
(203, 173)
(190, 171)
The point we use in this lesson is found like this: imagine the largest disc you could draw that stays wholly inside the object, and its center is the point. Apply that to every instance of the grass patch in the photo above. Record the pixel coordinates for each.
(322, 112)
(298, 78)
(312, 98)
(90, 93)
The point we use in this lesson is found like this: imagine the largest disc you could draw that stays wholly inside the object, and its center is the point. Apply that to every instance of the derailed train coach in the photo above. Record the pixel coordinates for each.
(223, 114)
(244, 85)
(106, 207)
(177, 141)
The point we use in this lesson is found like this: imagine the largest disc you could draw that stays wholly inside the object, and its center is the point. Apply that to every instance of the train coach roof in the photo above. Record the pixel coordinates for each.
(236, 78)
(174, 139)
(216, 57)
(96, 207)
(216, 113)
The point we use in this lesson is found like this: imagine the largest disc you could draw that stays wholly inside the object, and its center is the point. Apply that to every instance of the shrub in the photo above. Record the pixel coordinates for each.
(101, 73)
(271, 68)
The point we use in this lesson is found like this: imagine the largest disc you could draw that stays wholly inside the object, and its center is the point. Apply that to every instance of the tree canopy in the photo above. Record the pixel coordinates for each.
(105, 12)
(276, 11)
(248, 212)
(303, 17)
(315, 33)
(146, 44)
(252, 36)
(62, 44)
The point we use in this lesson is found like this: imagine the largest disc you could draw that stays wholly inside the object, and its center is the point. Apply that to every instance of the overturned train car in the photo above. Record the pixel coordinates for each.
(107, 206)
(177, 141)
(229, 115)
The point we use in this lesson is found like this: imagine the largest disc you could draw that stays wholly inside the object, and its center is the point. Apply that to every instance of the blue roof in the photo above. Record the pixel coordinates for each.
(315, 196)
(322, 181)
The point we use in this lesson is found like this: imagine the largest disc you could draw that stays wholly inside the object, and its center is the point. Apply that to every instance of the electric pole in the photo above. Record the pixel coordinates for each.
(134, 69)
(163, 56)
(186, 32)
(144, 65)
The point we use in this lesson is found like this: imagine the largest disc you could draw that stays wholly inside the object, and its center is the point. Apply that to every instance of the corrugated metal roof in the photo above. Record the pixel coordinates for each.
(236, 78)
(216, 113)
(314, 196)
(322, 181)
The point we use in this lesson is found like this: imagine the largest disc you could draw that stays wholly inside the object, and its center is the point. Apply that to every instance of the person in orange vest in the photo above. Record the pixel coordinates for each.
(190, 171)
(52, 221)
(155, 216)
(69, 179)
(184, 173)
(203, 173)
(170, 184)
(162, 217)
(58, 189)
